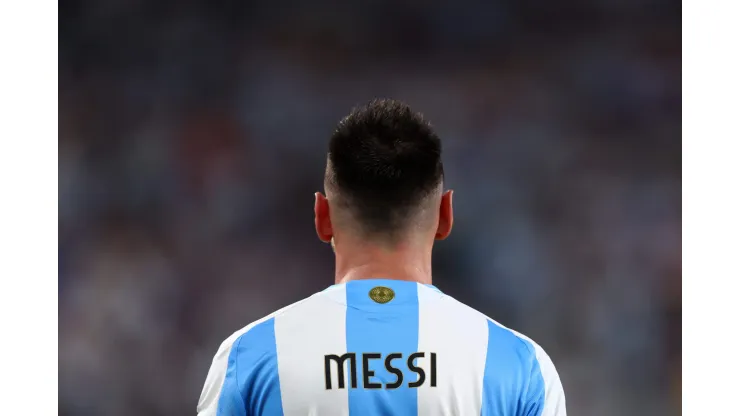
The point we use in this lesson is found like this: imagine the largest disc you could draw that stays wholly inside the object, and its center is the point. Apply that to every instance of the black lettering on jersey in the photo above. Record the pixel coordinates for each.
(417, 370)
(393, 370)
(367, 372)
(340, 369)
(413, 365)
(433, 369)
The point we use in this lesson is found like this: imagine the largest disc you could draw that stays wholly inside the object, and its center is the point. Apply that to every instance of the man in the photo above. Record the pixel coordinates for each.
(382, 340)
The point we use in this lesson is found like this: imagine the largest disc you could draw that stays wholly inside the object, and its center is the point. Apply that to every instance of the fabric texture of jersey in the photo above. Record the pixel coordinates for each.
(404, 349)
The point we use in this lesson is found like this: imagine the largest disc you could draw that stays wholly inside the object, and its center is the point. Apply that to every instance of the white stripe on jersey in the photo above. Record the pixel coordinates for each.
(459, 336)
(304, 336)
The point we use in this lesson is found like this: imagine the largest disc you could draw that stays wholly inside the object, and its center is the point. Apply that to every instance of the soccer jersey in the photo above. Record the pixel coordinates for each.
(380, 347)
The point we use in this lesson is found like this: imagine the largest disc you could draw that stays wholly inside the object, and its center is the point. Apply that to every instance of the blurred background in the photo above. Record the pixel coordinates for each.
(192, 136)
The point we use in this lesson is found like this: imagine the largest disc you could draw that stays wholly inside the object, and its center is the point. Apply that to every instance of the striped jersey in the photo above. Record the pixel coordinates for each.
(380, 347)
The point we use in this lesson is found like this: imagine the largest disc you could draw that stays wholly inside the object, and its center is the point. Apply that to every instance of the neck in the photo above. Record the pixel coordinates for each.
(403, 262)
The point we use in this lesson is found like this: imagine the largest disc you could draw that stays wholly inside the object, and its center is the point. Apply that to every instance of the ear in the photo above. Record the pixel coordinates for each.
(444, 227)
(322, 221)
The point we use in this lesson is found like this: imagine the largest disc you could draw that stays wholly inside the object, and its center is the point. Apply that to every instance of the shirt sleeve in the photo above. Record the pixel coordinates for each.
(544, 395)
(220, 387)
(244, 379)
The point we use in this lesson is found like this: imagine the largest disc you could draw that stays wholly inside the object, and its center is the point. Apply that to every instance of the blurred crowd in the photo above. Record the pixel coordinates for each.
(193, 134)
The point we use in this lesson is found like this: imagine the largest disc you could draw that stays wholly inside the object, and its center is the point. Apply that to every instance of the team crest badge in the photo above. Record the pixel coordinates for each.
(382, 294)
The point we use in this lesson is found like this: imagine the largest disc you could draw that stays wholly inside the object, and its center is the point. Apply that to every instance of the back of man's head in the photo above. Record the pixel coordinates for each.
(384, 172)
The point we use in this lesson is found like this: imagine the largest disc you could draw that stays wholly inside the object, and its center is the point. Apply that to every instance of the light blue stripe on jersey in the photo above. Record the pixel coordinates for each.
(535, 392)
(383, 328)
(507, 379)
(252, 375)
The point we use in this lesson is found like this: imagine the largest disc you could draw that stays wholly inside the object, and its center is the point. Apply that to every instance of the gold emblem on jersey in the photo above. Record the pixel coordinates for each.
(382, 294)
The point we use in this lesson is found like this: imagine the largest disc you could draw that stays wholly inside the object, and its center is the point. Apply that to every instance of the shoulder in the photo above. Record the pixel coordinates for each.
(260, 328)
(504, 339)
(497, 332)
(510, 356)
(247, 354)
(544, 390)
(264, 327)
(541, 387)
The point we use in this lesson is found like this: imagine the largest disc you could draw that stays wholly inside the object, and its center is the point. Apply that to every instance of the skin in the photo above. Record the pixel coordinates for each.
(356, 258)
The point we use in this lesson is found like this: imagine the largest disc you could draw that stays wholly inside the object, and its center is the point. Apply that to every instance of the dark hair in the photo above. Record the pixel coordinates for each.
(384, 160)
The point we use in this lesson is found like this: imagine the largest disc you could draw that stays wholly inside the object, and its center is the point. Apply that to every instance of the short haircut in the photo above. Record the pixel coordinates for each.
(384, 163)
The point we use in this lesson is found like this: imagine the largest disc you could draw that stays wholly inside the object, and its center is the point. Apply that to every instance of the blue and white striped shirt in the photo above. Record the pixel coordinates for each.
(380, 347)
